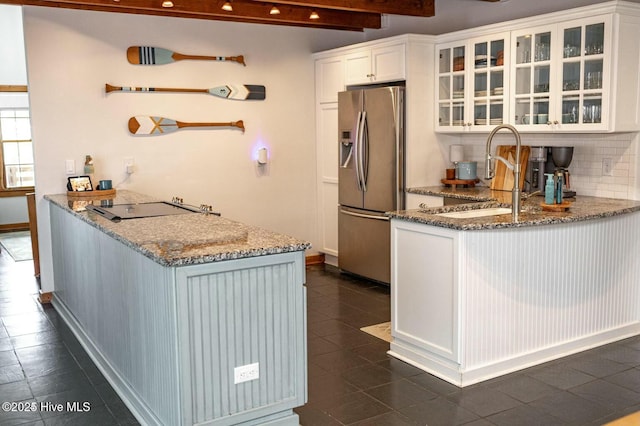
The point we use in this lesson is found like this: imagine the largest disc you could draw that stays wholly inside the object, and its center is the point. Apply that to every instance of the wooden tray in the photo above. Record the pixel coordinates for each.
(106, 193)
(562, 207)
(454, 182)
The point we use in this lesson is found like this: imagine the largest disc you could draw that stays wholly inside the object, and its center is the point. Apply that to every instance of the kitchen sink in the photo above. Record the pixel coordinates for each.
(468, 214)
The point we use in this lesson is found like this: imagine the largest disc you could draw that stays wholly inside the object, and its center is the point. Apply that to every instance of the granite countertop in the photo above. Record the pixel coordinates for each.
(179, 240)
(582, 208)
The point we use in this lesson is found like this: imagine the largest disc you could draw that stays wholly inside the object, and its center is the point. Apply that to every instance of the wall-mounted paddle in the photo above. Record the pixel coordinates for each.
(146, 125)
(239, 92)
(147, 55)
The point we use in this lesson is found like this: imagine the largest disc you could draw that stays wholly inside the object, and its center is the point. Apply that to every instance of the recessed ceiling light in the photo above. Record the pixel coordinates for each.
(227, 6)
(165, 3)
(314, 15)
(274, 11)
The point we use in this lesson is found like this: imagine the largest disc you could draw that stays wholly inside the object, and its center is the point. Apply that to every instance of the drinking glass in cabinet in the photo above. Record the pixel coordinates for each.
(593, 74)
(570, 76)
(593, 80)
(523, 50)
(594, 39)
(570, 107)
(541, 79)
(591, 111)
(572, 42)
(543, 47)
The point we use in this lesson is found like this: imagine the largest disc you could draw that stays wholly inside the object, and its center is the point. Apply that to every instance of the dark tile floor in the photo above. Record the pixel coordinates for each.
(351, 379)
(353, 382)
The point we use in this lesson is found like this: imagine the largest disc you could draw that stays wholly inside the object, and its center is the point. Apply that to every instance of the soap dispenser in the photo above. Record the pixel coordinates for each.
(549, 189)
(559, 188)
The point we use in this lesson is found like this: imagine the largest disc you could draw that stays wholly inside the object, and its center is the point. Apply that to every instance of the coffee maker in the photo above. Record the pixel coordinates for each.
(551, 160)
(561, 157)
(534, 179)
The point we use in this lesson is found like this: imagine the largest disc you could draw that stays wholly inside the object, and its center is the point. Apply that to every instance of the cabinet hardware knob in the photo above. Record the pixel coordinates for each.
(556, 122)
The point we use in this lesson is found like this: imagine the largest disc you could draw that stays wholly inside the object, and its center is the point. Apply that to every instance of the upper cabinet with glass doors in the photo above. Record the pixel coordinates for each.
(586, 72)
(471, 83)
(560, 74)
(571, 71)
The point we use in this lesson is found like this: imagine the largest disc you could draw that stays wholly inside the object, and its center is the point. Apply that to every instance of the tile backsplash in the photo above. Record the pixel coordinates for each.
(587, 165)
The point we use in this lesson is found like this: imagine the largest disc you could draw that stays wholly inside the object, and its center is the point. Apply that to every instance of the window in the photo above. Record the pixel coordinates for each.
(17, 149)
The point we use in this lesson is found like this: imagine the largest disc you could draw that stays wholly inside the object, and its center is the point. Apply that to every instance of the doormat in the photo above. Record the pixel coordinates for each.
(381, 331)
(17, 244)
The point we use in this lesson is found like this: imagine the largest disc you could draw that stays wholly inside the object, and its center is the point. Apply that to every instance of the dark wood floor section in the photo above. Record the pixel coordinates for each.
(352, 381)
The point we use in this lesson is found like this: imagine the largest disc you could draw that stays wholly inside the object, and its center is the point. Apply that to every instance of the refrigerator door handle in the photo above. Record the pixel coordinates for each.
(360, 150)
(357, 149)
(365, 216)
(364, 163)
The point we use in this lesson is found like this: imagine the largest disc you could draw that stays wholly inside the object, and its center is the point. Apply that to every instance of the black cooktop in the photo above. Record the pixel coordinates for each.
(118, 212)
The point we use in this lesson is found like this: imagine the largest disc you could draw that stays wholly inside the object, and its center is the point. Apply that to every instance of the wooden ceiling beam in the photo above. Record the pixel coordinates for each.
(392, 7)
(243, 11)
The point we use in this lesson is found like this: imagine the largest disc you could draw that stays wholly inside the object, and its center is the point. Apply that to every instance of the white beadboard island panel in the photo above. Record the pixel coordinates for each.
(521, 295)
(168, 338)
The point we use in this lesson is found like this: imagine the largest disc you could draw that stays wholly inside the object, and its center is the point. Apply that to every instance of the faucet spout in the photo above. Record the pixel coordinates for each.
(490, 173)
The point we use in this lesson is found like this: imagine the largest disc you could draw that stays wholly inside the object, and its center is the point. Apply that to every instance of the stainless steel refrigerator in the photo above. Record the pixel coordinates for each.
(371, 178)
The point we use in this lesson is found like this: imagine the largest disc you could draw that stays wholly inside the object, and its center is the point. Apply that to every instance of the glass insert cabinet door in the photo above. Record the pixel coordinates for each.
(584, 49)
(488, 82)
(533, 79)
(451, 86)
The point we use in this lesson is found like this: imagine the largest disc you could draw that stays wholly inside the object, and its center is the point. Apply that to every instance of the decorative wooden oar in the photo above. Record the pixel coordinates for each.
(147, 55)
(239, 92)
(145, 125)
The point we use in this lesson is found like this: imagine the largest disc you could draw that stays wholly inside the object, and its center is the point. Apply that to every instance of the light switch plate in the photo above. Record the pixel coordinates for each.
(70, 167)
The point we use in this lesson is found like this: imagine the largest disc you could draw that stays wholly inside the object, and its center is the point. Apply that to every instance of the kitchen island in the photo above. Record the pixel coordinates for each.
(476, 298)
(192, 318)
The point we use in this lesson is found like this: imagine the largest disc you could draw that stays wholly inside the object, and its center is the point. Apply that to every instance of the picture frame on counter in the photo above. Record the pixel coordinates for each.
(79, 184)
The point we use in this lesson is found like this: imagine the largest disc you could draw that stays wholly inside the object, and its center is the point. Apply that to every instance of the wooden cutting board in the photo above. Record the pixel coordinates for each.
(503, 181)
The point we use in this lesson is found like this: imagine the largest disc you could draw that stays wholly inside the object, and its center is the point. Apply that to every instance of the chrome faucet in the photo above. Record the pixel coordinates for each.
(490, 172)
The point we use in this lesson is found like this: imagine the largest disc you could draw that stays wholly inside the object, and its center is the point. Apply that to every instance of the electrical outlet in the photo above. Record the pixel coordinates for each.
(128, 165)
(245, 373)
(607, 167)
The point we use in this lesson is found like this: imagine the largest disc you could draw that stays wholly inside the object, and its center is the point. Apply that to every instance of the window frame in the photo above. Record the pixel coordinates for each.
(23, 190)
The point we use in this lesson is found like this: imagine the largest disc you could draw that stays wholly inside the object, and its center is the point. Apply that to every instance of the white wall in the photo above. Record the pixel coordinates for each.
(71, 54)
(12, 72)
(12, 67)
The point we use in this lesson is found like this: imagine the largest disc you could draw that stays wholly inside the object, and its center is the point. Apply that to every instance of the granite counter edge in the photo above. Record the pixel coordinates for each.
(181, 261)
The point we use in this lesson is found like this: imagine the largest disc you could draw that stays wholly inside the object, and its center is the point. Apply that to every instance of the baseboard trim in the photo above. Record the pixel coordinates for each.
(45, 297)
(316, 259)
(11, 227)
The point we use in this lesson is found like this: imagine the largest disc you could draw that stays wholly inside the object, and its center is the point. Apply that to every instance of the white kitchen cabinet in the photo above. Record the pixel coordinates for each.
(375, 65)
(571, 71)
(413, 201)
(466, 307)
(562, 75)
(329, 79)
(471, 83)
(389, 60)
(424, 292)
